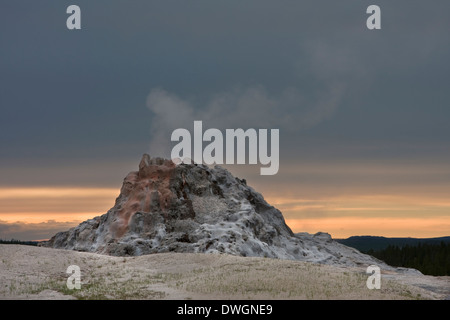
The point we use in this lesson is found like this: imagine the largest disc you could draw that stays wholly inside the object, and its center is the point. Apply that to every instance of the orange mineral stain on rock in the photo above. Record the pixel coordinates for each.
(146, 190)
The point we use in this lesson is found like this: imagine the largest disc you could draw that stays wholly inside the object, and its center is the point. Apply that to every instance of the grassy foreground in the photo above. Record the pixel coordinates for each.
(40, 273)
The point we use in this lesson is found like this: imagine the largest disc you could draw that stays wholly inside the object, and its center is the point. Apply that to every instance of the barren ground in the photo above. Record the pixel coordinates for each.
(28, 272)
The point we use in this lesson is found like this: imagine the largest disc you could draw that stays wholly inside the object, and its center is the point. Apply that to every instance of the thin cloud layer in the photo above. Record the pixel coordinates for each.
(33, 231)
(251, 107)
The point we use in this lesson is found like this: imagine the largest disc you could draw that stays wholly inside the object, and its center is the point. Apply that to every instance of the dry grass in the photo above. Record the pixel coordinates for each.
(40, 273)
(258, 278)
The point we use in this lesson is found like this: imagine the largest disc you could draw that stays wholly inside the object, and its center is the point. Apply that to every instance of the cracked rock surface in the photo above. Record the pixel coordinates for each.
(193, 208)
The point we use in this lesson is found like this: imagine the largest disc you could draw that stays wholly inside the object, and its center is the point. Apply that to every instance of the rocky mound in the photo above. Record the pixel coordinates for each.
(165, 207)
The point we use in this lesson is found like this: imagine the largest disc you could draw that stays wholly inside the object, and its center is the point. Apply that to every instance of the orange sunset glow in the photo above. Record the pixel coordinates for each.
(341, 216)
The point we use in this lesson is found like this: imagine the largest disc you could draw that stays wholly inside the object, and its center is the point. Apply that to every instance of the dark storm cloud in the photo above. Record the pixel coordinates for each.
(80, 97)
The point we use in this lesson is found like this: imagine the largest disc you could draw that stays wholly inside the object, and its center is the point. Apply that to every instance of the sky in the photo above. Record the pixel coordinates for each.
(363, 114)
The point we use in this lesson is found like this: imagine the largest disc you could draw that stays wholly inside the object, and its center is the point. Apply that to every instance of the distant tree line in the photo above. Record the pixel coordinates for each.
(431, 259)
(14, 241)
